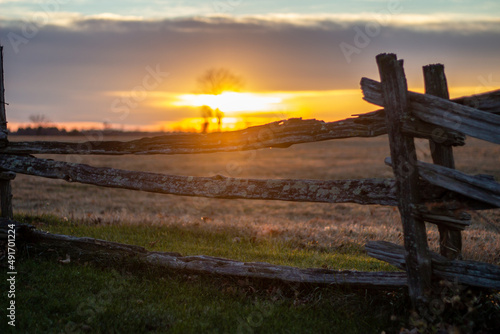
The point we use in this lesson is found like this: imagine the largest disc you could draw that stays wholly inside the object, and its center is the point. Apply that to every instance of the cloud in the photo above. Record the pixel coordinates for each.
(68, 71)
(16, 1)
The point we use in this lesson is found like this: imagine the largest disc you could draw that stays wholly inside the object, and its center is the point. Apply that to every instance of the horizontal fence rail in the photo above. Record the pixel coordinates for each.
(488, 102)
(472, 273)
(90, 249)
(482, 187)
(448, 114)
(360, 191)
(279, 134)
(364, 191)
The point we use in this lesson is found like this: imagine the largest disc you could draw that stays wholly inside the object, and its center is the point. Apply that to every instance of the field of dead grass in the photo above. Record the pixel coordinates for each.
(328, 226)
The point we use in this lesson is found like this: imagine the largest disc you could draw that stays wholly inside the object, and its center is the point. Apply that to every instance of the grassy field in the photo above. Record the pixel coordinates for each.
(327, 226)
(298, 234)
(81, 298)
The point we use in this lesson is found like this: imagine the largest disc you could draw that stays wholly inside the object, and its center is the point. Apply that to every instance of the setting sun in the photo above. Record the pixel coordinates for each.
(230, 102)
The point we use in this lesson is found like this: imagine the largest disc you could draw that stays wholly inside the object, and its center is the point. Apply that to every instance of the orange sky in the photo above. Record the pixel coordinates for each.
(247, 108)
(141, 74)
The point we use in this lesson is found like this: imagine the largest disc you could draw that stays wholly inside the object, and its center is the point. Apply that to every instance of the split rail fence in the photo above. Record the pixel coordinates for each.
(423, 192)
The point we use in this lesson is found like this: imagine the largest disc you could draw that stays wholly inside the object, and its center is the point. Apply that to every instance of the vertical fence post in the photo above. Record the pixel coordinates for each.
(404, 158)
(450, 240)
(5, 187)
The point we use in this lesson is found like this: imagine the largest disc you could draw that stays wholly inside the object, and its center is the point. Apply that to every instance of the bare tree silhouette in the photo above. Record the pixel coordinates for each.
(40, 120)
(216, 81)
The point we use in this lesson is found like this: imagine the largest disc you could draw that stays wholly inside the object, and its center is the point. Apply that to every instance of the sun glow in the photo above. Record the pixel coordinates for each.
(230, 102)
(241, 110)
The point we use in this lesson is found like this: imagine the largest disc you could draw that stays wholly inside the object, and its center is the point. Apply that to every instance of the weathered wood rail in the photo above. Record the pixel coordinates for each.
(441, 112)
(112, 253)
(281, 134)
(473, 273)
(364, 191)
(435, 193)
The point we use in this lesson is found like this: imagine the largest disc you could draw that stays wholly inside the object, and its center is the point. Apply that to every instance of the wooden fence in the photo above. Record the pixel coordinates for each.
(423, 192)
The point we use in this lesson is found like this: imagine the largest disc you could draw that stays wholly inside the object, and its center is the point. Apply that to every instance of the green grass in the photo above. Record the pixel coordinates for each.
(215, 243)
(87, 298)
(53, 298)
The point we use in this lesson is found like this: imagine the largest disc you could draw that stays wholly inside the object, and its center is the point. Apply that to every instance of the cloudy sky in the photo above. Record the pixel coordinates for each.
(134, 64)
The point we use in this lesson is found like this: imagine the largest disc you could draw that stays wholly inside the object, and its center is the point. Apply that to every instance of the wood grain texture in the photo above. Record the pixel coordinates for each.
(447, 114)
(280, 134)
(488, 102)
(363, 191)
(450, 239)
(403, 153)
(477, 187)
(478, 274)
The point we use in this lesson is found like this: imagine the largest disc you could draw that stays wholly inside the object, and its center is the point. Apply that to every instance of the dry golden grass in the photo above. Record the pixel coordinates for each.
(329, 226)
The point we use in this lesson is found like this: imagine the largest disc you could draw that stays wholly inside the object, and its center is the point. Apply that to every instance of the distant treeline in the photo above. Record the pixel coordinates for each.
(54, 131)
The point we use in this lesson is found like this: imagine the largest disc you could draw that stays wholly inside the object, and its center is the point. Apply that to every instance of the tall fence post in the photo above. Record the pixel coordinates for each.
(404, 158)
(450, 240)
(5, 187)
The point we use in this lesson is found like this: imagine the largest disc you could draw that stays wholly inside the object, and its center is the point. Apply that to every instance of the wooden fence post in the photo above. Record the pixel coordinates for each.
(450, 240)
(5, 188)
(404, 164)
